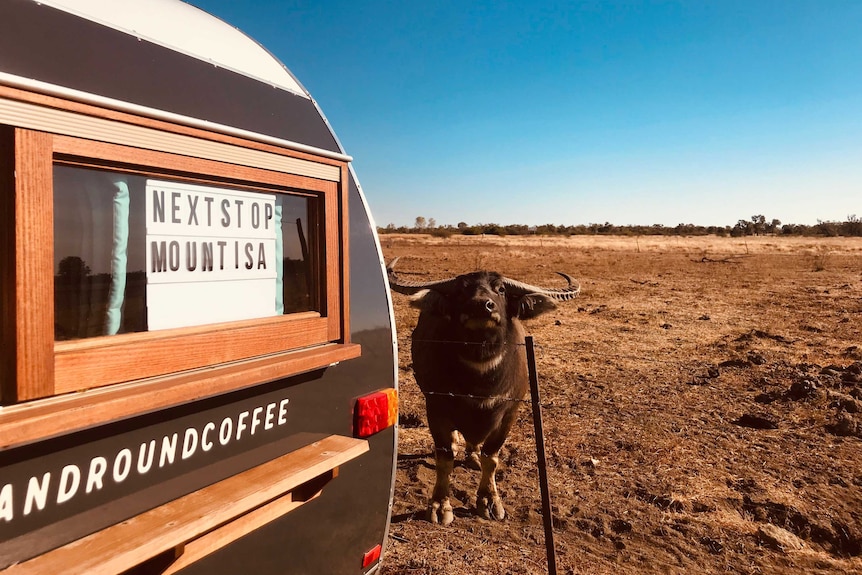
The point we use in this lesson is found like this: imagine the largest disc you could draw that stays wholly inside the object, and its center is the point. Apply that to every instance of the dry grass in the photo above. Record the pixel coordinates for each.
(644, 379)
(696, 245)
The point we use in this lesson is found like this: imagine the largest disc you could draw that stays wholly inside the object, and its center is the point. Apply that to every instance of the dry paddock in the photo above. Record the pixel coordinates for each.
(702, 403)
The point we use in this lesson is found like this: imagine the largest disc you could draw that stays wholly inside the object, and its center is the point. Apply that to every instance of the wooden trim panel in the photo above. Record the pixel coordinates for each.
(8, 293)
(332, 265)
(344, 254)
(259, 495)
(66, 123)
(223, 536)
(34, 264)
(94, 362)
(35, 421)
(88, 151)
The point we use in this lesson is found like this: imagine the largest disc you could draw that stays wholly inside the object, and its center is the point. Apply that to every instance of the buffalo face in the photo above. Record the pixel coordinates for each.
(480, 301)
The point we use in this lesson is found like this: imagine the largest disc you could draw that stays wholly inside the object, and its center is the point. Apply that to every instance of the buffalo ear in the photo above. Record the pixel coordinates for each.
(534, 304)
(430, 301)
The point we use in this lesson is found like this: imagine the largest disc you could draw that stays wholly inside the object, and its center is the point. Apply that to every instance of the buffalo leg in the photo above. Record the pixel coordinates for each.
(488, 502)
(439, 508)
(471, 456)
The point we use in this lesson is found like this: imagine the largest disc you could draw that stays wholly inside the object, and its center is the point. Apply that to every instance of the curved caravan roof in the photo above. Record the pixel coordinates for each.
(163, 58)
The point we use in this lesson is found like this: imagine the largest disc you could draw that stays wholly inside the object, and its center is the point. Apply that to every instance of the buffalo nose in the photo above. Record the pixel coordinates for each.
(490, 305)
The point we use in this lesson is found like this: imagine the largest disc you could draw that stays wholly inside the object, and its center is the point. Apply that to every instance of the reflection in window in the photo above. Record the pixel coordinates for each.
(133, 253)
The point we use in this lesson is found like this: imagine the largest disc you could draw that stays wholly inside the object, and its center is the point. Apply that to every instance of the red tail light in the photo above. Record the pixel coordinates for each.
(372, 556)
(375, 412)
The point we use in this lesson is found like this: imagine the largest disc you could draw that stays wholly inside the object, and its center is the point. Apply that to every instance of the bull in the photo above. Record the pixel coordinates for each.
(469, 362)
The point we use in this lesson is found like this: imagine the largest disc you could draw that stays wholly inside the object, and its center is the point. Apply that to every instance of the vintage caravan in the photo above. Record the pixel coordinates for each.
(197, 366)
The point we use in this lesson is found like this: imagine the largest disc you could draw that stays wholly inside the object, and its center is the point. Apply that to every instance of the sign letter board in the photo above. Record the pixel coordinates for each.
(211, 254)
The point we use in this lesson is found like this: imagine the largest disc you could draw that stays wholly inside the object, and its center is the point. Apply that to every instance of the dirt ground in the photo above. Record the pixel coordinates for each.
(702, 401)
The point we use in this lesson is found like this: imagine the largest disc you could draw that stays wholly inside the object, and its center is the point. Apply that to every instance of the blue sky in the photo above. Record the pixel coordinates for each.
(578, 112)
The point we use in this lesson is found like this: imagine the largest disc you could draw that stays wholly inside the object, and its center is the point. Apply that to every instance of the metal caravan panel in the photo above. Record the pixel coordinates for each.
(187, 29)
(51, 46)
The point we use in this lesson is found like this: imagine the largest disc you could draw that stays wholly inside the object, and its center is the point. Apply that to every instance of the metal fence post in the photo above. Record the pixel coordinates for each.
(540, 453)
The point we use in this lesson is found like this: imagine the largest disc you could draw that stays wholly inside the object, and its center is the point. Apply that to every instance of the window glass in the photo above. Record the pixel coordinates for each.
(138, 253)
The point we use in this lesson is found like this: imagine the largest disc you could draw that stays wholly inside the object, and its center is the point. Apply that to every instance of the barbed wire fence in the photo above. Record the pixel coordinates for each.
(534, 400)
(688, 370)
(692, 369)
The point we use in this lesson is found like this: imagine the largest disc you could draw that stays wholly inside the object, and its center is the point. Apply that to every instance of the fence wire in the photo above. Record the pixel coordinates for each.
(541, 349)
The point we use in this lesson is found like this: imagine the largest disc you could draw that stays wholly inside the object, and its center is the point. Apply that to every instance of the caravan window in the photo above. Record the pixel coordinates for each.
(135, 253)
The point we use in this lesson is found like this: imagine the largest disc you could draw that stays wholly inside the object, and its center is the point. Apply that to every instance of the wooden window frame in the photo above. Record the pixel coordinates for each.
(34, 366)
(113, 359)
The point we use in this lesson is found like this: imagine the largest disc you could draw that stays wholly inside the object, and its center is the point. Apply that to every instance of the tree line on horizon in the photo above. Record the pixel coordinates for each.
(756, 226)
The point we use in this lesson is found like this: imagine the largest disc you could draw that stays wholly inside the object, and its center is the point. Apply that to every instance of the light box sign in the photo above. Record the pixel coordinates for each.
(211, 254)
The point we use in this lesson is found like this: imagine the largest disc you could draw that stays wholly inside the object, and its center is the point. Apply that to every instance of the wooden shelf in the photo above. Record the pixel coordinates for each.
(191, 527)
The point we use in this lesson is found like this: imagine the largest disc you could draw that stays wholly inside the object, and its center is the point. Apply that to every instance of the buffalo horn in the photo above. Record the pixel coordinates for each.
(411, 287)
(559, 294)
(520, 288)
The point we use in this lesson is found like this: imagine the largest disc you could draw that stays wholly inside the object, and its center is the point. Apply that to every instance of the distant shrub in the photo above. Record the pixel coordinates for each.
(820, 259)
(756, 226)
(494, 230)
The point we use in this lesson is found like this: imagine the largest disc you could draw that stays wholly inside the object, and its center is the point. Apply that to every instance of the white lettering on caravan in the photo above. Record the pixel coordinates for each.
(206, 444)
(41, 491)
(240, 424)
(169, 449)
(255, 418)
(225, 431)
(282, 411)
(70, 480)
(37, 493)
(149, 449)
(270, 412)
(122, 465)
(7, 508)
(98, 465)
(190, 442)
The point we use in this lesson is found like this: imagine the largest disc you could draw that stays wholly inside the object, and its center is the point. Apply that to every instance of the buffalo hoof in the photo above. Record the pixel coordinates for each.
(440, 512)
(471, 460)
(490, 507)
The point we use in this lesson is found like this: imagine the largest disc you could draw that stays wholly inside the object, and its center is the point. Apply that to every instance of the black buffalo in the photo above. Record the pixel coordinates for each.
(470, 363)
